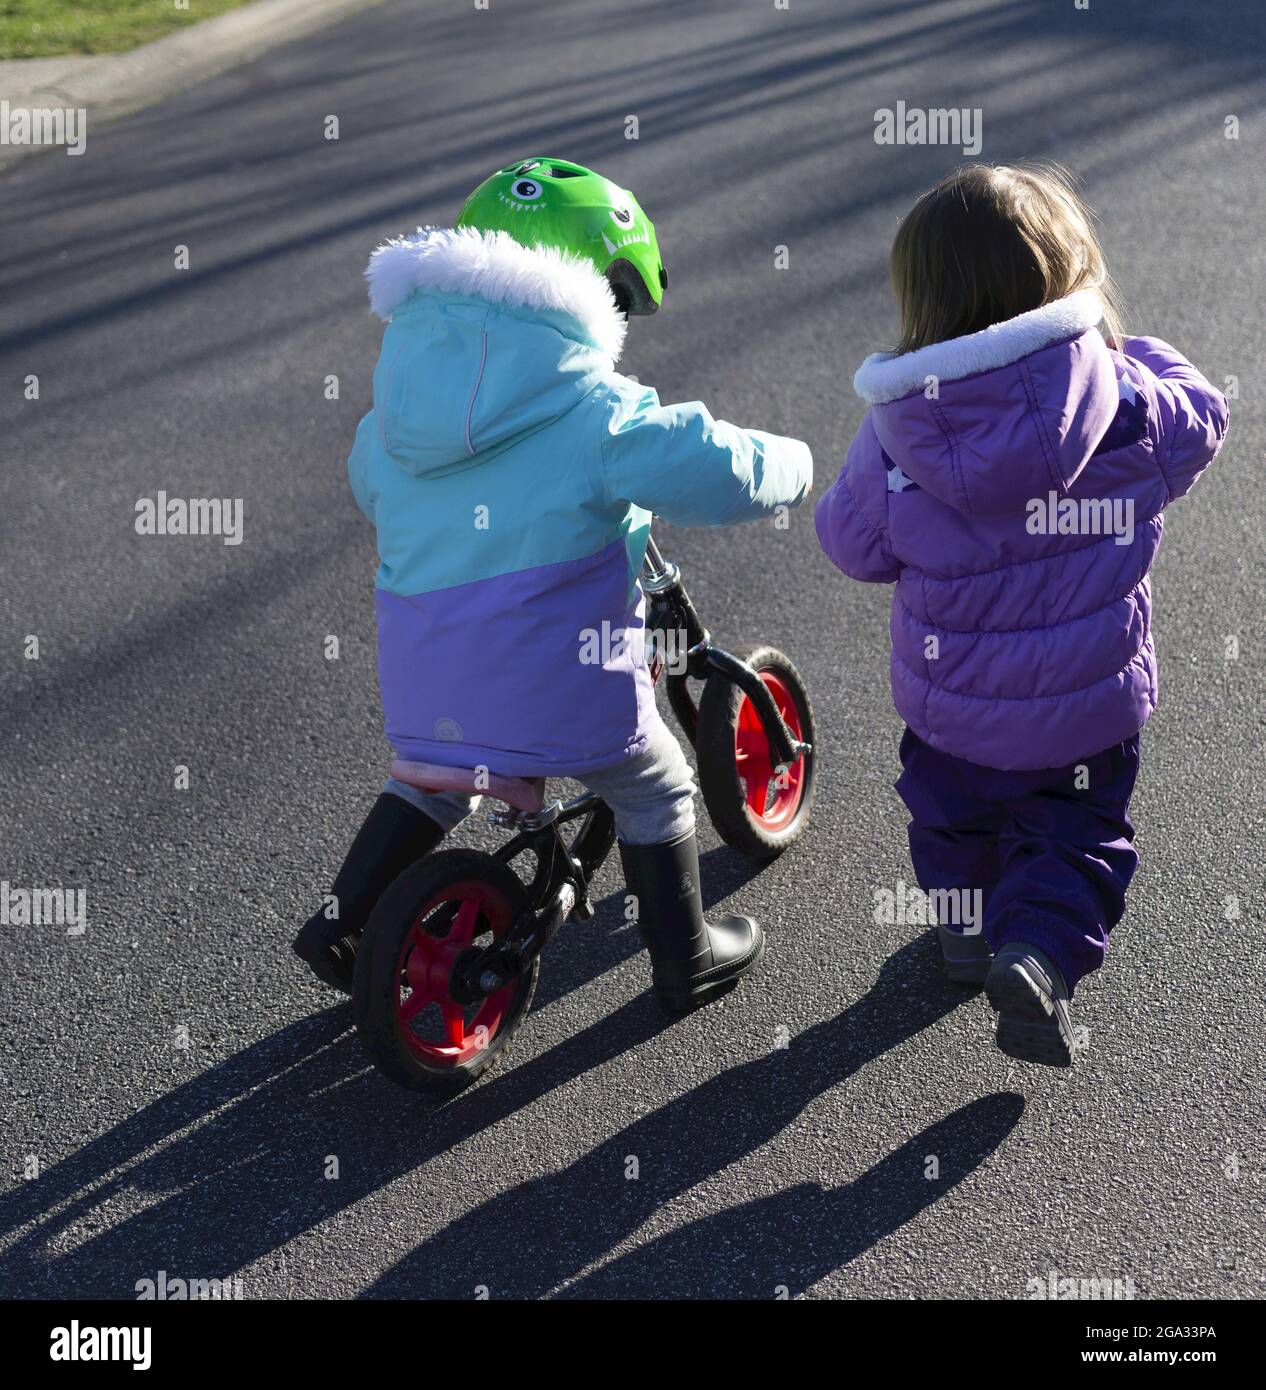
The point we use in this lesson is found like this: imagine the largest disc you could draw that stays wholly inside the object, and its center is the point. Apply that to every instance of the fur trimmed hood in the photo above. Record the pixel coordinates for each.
(486, 342)
(887, 376)
(493, 266)
(1017, 409)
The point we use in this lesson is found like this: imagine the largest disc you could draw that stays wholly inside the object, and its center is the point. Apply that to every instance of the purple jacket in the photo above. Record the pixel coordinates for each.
(1011, 484)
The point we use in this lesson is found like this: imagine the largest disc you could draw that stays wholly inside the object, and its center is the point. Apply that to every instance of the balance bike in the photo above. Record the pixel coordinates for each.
(448, 962)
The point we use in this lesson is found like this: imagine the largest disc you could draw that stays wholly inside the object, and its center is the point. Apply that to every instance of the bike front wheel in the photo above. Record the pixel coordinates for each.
(755, 809)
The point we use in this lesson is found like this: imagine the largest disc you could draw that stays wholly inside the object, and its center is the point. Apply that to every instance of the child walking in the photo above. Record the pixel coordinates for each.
(511, 474)
(1009, 478)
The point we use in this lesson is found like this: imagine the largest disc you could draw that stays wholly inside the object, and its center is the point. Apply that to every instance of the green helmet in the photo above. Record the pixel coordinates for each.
(552, 202)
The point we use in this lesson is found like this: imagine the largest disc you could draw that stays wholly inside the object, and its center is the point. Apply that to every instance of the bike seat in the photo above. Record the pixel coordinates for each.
(523, 793)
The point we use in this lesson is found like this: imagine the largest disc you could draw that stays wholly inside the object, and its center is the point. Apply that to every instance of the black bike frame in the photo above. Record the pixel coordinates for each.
(673, 622)
(559, 889)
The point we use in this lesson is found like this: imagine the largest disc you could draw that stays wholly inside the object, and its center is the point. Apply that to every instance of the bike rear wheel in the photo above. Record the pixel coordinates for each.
(437, 911)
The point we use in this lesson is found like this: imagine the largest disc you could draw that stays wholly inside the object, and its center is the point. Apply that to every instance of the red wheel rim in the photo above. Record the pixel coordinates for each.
(772, 803)
(434, 1026)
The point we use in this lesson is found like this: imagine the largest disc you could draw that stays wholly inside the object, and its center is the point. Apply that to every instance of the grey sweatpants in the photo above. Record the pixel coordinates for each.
(652, 795)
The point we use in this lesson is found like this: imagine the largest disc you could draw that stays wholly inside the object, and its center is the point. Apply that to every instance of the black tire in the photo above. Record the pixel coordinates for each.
(724, 790)
(386, 953)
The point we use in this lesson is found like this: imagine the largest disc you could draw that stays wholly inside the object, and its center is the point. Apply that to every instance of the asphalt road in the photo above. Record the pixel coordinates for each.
(179, 1082)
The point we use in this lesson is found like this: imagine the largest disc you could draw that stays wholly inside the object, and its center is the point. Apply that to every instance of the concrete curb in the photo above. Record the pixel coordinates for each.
(113, 84)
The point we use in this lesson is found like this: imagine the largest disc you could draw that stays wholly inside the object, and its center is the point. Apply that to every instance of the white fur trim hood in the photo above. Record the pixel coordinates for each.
(495, 267)
(887, 376)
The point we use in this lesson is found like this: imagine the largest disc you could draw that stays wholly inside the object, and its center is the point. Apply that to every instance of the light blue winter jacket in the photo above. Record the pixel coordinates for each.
(510, 473)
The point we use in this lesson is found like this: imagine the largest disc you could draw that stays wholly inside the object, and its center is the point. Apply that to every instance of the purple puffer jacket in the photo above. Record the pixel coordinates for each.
(1011, 483)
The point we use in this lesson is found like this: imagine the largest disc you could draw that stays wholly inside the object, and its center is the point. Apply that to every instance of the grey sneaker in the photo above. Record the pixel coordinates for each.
(1031, 1000)
(967, 957)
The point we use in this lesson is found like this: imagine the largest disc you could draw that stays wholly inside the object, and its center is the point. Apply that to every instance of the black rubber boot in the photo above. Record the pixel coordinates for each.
(395, 835)
(690, 959)
(1030, 996)
(967, 957)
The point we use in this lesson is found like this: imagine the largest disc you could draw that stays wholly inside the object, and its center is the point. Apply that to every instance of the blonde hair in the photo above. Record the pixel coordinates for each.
(991, 241)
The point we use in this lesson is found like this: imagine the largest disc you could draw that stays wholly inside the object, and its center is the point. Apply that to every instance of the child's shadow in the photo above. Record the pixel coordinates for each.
(238, 1153)
(232, 1200)
(533, 1238)
(238, 1157)
(784, 1243)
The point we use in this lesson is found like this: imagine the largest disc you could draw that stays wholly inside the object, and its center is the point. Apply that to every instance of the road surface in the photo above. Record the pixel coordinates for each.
(188, 1099)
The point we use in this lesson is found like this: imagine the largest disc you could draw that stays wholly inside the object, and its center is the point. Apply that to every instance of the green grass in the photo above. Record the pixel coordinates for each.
(48, 28)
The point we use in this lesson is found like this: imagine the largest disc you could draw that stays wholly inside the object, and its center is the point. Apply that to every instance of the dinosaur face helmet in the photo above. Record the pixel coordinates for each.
(552, 202)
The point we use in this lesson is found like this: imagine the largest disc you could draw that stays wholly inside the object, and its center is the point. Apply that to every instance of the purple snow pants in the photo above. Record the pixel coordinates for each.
(1050, 850)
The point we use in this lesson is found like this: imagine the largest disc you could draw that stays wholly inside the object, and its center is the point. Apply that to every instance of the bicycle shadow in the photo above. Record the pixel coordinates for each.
(530, 1240)
(238, 1153)
(297, 1069)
